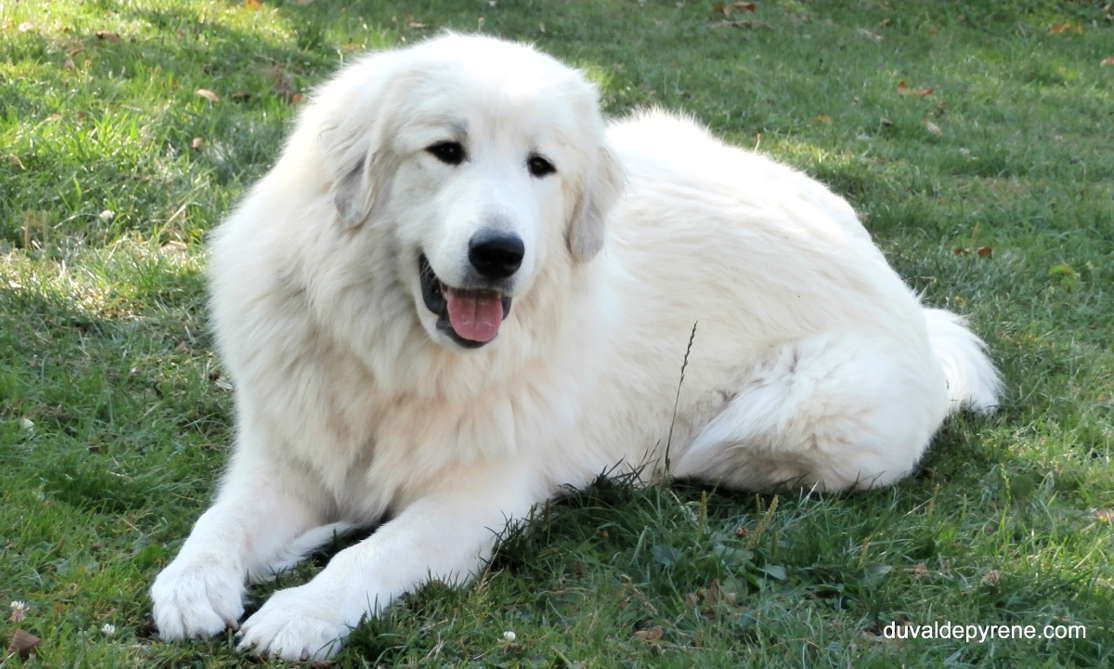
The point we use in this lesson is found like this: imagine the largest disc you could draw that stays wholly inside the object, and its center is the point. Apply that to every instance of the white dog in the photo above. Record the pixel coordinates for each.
(459, 291)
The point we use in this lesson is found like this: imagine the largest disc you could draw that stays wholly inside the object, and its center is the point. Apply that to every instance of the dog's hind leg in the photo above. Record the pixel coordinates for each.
(831, 412)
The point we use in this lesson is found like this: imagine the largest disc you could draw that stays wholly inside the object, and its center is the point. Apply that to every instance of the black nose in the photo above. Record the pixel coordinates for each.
(495, 255)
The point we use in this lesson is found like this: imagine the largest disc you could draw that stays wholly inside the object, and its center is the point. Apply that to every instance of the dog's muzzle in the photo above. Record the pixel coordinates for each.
(471, 318)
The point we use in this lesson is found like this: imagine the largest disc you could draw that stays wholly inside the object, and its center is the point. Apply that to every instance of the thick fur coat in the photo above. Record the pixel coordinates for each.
(348, 290)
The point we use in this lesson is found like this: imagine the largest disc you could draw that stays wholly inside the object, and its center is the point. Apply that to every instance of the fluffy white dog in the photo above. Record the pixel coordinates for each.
(460, 290)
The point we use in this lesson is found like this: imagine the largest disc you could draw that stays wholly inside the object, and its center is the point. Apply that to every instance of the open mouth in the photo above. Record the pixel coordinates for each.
(471, 318)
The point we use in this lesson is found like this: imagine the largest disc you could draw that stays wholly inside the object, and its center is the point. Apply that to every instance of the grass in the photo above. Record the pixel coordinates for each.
(114, 418)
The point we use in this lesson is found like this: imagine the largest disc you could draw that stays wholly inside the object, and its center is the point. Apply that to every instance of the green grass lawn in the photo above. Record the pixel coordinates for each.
(976, 139)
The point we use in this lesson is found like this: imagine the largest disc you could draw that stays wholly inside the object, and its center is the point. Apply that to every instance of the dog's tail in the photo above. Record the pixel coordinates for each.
(973, 382)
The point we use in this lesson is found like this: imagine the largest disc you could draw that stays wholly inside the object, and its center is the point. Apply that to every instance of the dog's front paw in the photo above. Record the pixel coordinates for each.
(295, 624)
(198, 597)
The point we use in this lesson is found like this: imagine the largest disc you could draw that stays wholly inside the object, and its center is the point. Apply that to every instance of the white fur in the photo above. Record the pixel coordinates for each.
(812, 363)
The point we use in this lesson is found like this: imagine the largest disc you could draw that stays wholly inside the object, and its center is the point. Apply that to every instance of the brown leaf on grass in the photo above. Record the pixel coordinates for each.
(23, 643)
(824, 118)
(1065, 27)
(207, 94)
(107, 36)
(931, 127)
(253, 5)
(1108, 61)
(729, 8)
(650, 634)
(903, 89)
(984, 251)
(959, 250)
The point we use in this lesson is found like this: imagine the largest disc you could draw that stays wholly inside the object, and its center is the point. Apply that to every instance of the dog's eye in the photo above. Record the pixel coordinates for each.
(539, 166)
(450, 153)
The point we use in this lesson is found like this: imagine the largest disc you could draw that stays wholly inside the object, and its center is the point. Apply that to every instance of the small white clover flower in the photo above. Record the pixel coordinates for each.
(106, 215)
(509, 636)
(28, 425)
(108, 629)
(19, 610)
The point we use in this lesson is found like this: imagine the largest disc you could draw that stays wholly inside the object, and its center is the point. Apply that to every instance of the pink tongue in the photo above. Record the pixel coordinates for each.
(474, 315)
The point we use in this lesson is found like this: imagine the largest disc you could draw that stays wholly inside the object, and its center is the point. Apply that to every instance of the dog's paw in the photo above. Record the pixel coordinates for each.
(197, 598)
(296, 625)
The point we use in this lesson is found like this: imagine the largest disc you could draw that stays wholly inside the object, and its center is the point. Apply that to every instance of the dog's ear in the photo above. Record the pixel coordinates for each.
(353, 117)
(357, 194)
(599, 190)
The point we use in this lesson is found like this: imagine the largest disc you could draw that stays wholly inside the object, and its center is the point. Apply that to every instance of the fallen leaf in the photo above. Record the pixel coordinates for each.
(727, 9)
(23, 643)
(932, 127)
(197, 143)
(208, 94)
(1067, 26)
(1108, 61)
(297, 98)
(174, 248)
(253, 5)
(824, 118)
(654, 633)
(984, 251)
(959, 250)
(107, 35)
(902, 87)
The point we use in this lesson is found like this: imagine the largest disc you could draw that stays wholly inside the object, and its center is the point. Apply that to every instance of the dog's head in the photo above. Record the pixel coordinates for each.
(482, 160)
